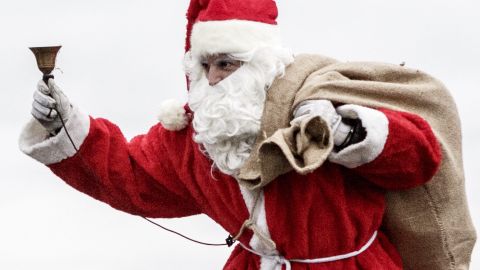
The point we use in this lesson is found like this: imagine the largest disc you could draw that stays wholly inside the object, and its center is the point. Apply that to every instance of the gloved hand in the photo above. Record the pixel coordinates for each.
(324, 109)
(49, 102)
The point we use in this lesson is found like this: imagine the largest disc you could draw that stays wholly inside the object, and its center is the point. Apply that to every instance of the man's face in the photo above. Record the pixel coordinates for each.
(227, 97)
(218, 67)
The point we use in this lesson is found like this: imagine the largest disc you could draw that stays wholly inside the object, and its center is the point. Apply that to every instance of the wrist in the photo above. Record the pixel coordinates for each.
(53, 133)
(341, 133)
(350, 131)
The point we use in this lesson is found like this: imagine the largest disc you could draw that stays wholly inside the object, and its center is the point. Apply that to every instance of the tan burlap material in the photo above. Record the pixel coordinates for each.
(430, 225)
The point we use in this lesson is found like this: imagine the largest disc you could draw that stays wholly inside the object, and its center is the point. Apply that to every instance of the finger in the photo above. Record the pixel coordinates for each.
(40, 115)
(54, 88)
(303, 110)
(43, 88)
(47, 115)
(57, 95)
(49, 112)
(44, 100)
(51, 83)
(324, 105)
(56, 91)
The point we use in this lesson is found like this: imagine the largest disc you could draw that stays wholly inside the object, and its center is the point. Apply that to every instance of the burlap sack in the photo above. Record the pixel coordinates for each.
(430, 225)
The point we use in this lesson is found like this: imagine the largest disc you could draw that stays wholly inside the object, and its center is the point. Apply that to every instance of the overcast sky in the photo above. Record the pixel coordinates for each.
(120, 59)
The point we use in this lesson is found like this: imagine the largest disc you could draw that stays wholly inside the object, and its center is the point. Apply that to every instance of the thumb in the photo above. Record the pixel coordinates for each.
(55, 91)
(43, 88)
(63, 103)
(52, 86)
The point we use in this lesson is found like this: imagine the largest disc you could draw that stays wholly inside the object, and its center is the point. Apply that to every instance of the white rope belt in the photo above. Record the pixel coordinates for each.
(280, 260)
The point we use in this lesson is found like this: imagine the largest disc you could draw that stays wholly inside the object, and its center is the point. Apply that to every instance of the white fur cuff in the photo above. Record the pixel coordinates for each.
(376, 126)
(36, 142)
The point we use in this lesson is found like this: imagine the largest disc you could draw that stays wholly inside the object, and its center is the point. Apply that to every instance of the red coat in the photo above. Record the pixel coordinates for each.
(334, 210)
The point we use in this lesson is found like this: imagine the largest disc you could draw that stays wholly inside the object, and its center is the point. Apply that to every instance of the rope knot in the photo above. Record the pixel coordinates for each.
(282, 261)
(246, 224)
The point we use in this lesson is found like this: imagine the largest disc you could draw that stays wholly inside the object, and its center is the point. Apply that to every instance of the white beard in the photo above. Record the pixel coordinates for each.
(227, 115)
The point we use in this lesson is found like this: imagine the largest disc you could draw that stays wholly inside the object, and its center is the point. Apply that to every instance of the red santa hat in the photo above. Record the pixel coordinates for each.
(231, 26)
(223, 26)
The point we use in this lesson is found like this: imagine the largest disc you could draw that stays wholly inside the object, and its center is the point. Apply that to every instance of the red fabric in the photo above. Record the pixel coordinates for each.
(264, 11)
(331, 211)
(408, 134)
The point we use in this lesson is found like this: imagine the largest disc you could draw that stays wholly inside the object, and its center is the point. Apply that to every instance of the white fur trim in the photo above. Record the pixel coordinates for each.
(232, 36)
(172, 115)
(260, 216)
(376, 126)
(248, 197)
(36, 142)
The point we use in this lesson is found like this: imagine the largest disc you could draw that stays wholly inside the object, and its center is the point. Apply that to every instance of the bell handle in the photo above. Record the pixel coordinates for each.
(46, 77)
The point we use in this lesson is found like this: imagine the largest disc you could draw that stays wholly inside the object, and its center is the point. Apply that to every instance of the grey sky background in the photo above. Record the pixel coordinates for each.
(120, 59)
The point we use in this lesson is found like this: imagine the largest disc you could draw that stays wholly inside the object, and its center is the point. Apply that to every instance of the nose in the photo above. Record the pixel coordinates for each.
(214, 75)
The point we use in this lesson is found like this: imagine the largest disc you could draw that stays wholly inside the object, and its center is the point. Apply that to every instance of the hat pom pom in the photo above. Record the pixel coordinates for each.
(172, 115)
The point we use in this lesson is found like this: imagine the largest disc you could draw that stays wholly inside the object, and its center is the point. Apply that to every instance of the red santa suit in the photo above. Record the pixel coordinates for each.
(333, 211)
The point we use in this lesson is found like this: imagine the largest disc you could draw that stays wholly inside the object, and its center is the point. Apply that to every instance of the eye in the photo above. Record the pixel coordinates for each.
(205, 66)
(224, 64)
(228, 65)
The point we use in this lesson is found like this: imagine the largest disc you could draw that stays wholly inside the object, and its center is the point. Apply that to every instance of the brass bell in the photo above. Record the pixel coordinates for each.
(46, 60)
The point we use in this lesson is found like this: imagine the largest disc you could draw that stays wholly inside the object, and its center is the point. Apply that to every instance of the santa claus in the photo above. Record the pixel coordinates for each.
(192, 161)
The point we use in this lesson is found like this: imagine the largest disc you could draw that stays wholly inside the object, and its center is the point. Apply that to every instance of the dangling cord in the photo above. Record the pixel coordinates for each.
(181, 235)
(95, 176)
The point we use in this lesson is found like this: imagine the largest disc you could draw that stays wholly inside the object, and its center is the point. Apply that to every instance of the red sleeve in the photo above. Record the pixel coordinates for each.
(136, 177)
(399, 150)
(410, 157)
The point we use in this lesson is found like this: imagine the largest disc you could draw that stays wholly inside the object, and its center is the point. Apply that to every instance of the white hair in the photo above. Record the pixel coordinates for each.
(227, 115)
